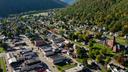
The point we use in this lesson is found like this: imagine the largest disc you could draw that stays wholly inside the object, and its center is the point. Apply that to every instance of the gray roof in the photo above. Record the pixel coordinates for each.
(57, 57)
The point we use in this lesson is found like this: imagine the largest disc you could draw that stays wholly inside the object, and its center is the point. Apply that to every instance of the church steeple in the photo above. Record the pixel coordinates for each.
(114, 41)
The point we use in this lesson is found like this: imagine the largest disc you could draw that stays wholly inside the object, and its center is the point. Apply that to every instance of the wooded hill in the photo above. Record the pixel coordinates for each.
(113, 14)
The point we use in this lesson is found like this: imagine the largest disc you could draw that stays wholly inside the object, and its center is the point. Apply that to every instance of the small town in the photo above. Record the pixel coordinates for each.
(41, 43)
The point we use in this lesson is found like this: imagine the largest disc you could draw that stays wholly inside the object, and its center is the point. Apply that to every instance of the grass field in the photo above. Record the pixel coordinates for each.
(2, 65)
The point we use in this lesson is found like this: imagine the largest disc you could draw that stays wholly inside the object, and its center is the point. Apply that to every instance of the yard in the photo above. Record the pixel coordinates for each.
(103, 47)
(2, 65)
(120, 40)
(1, 49)
(79, 60)
(63, 67)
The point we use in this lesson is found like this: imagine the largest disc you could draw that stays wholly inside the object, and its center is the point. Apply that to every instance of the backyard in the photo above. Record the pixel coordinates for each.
(2, 65)
(63, 67)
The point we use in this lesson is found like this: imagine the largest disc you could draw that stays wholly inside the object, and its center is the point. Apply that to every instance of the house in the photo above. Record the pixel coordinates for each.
(24, 60)
(58, 40)
(29, 55)
(126, 36)
(58, 50)
(51, 36)
(12, 60)
(56, 59)
(78, 68)
(117, 48)
(115, 68)
(2, 37)
(32, 61)
(116, 34)
(1, 25)
(47, 50)
(48, 53)
(20, 44)
(34, 67)
(39, 43)
(24, 51)
(64, 51)
(90, 36)
(126, 47)
(111, 33)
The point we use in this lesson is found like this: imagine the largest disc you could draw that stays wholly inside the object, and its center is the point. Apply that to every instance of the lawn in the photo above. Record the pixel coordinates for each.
(99, 46)
(102, 46)
(120, 40)
(2, 65)
(1, 50)
(79, 60)
(65, 67)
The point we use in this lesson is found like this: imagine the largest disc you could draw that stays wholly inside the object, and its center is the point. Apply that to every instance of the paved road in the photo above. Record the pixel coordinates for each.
(51, 66)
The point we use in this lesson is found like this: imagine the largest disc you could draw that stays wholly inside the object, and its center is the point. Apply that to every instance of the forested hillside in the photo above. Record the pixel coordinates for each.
(113, 14)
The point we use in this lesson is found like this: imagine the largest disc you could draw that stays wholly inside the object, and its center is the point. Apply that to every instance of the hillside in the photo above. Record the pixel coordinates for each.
(113, 14)
(17, 6)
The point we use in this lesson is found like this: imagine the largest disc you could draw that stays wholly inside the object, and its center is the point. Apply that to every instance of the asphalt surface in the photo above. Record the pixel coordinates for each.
(51, 66)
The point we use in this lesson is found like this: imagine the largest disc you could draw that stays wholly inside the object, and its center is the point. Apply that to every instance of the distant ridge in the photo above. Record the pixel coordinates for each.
(17, 6)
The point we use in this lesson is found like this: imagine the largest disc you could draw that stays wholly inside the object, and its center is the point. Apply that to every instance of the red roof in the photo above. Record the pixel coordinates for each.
(39, 42)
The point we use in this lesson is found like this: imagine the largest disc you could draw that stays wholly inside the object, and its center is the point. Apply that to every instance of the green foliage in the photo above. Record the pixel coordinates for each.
(98, 59)
(100, 53)
(63, 67)
(110, 13)
(98, 35)
(91, 42)
(107, 60)
(81, 52)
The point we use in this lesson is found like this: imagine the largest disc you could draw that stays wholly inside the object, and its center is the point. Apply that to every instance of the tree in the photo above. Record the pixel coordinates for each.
(107, 60)
(91, 43)
(92, 54)
(109, 13)
(85, 61)
(81, 52)
(125, 29)
(98, 35)
(98, 58)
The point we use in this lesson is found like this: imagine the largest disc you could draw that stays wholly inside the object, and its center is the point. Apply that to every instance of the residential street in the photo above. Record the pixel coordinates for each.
(51, 66)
